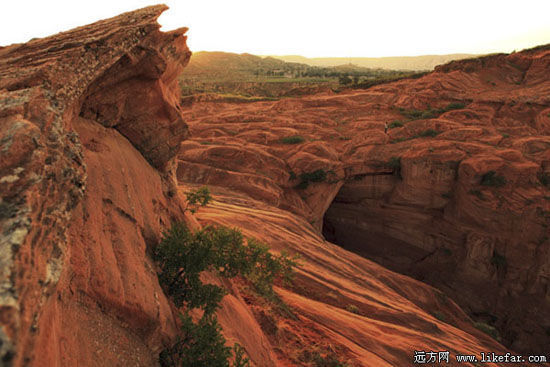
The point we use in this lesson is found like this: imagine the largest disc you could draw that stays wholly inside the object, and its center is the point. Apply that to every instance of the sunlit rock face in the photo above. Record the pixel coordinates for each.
(457, 198)
(92, 136)
(90, 124)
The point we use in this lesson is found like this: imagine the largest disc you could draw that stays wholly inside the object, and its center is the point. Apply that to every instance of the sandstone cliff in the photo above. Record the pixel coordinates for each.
(456, 194)
(92, 135)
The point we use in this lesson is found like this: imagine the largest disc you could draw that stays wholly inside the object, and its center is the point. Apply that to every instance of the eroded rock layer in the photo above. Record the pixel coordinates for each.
(456, 194)
(82, 113)
(90, 124)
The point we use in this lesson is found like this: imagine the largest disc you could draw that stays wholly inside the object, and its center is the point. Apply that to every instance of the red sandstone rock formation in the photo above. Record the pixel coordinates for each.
(90, 125)
(487, 247)
(83, 112)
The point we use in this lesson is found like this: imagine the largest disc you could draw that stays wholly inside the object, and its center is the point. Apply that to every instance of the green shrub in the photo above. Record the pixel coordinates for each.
(429, 133)
(182, 256)
(319, 358)
(499, 261)
(240, 359)
(345, 80)
(505, 135)
(440, 316)
(294, 139)
(328, 360)
(395, 164)
(198, 198)
(428, 114)
(411, 114)
(395, 124)
(477, 193)
(352, 308)
(487, 329)
(306, 178)
(399, 140)
(544, 179)
(492, 179)
(455, 106)
(200, 344)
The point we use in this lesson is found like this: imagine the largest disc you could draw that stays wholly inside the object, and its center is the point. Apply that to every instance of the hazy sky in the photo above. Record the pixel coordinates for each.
(310, 28)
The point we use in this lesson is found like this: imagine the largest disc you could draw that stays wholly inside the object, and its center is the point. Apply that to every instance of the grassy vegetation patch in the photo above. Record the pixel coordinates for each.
(306, 178)
(492, 179)
(477, 193)
(429, 113)
(395, 123)
(487, 329)
(499, 261)
(7, 210)
(352, 308)
(544, 179)
(429, 133)
(294, 139)
(318, 358)
(395, 164)
(440, 316)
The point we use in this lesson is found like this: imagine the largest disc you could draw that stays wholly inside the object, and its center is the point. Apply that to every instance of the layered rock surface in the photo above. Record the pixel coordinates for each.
(90, 124)
(432, 207)
(87, 115)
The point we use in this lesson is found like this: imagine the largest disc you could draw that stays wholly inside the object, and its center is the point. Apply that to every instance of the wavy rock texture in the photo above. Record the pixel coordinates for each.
(418, 205)
(92, 137)
(83, 112)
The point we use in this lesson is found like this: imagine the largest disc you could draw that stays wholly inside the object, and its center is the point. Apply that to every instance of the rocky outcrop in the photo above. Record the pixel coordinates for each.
(82, 112)
(456, 194)
(92, 136)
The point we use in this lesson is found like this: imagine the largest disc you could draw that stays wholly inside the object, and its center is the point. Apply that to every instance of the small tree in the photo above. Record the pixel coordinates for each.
(345, 80)
(182, 256)
(198, 198)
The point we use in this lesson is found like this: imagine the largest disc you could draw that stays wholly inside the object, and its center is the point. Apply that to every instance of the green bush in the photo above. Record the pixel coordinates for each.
(198, 198)
(455, 106)
(182, 256)
(345, 80)
(200, 344)
(492, 179)
(395, 164)
(487, 329)
(411, 114)
(477, 193)
(544, 179)
(240, 359)
(395, 124)
(295, 139)
(499, 261)
(352, 308)
(328, 360)
(428, 114)
(440, 316)
(429, 133)
(306, 178)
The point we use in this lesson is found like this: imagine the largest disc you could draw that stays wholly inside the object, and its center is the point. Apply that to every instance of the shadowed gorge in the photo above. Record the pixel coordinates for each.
(446, 213)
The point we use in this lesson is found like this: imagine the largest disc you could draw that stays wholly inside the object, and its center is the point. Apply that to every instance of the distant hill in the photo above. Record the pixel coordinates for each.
(226, 63)
(425, 62)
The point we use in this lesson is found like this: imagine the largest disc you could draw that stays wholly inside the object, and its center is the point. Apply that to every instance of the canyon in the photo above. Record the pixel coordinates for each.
(407, 239)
